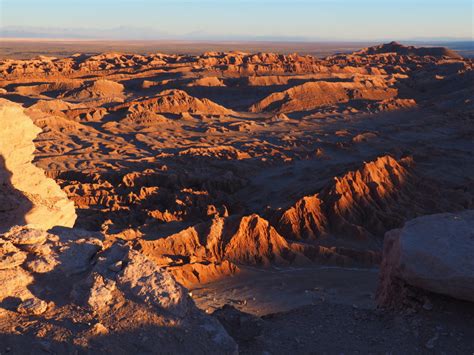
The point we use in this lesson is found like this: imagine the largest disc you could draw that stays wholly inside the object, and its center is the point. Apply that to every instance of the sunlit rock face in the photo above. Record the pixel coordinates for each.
(27, 196)
(365, 203)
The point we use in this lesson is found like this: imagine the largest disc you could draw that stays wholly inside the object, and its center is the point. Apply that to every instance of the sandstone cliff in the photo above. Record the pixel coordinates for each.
(26, 195)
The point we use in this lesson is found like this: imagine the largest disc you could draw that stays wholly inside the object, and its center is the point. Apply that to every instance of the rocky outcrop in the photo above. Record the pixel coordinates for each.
(312, 95)
(400, 49)
(59, 275)
(26, 195)
(174, 101)
(358, 204)
(304, 220)
(99, 89)
(431, 253)
(256, 242)
(372, 198)
(207, 81)
(222, 243)
(249, 240)
(365, 203)
(210, 251)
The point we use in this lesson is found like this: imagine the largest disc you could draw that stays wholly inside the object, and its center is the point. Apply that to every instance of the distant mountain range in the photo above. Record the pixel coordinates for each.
(142, 33)
(125, 33)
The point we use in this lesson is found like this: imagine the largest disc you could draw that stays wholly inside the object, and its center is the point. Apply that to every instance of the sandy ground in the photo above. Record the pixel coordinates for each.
(332, 311)
(261, 292)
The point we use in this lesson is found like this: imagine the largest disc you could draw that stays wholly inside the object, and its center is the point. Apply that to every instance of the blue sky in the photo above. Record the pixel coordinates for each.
(305, 19)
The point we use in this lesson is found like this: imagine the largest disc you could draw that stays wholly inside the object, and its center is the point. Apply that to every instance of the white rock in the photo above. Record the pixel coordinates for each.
(152, 285)
(27, 196)
(100, 295)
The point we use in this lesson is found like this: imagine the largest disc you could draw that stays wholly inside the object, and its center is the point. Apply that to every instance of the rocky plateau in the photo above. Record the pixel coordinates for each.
(147, 202)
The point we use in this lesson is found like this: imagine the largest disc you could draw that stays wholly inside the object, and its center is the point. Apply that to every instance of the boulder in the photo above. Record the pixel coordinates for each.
(433, 253)
(143, 280)
(101, 292)
(10, 256)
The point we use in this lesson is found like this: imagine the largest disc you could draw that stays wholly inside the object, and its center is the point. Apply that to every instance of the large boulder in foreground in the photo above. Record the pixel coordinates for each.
(27, 196)
(432, 253)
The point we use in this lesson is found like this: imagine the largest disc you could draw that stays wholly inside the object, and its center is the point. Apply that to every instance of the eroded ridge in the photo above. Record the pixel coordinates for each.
(211, 162)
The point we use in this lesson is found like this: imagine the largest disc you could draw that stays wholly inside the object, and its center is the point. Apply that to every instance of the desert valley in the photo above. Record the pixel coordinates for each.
(232, 202)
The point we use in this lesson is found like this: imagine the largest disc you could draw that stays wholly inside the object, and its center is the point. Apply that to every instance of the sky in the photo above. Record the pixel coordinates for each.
(241, 19)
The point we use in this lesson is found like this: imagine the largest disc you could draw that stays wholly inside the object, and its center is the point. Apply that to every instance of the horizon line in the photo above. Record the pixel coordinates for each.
(241, 40)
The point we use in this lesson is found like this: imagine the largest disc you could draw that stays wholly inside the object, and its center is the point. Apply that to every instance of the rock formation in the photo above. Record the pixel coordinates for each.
(432, 253)
(26, 195)
(208, 163)
(400, 49)
(72, 276)
(225, 242)
(174, 101)
(305, 219)
(364, 203)
(371, 199)
(312, 95)
(186, 169)
(99, 89)
(99, 294)
(210, 251)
